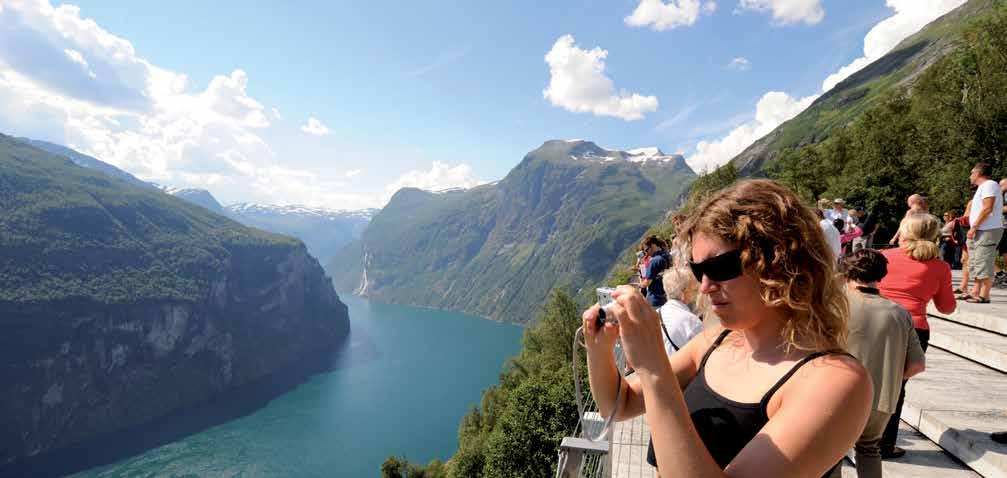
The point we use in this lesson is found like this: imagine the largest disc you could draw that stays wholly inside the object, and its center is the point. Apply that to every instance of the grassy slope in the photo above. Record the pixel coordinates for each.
(69, 232)
(847, 100)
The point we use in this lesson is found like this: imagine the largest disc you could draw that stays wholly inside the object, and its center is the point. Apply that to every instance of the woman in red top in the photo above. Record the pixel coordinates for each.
(916, 275)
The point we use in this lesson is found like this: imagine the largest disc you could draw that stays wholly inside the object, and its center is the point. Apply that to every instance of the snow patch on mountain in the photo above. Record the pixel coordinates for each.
(248, 208)
(587, 150)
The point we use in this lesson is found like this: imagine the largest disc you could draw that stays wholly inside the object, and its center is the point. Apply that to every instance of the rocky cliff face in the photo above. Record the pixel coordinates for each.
(75, 370)
(120, 304)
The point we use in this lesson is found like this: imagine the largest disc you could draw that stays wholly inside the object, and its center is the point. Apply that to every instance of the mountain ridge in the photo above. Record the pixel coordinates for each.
(557, 219)
(865, 88)
(85, 161)
(324, 231)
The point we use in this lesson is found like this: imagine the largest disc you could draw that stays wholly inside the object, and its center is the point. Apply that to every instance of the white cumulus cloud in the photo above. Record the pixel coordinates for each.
(910, 16)
(227, 97)
(740, 64)
(660, 16)
(578, 83)
(66, 79)
(76, 57)
(786, 12)
(773, 109)
(440, 176)
(315, 127)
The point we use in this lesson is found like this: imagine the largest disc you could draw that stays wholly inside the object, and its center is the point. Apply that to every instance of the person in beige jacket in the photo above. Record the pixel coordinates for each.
(881, 336)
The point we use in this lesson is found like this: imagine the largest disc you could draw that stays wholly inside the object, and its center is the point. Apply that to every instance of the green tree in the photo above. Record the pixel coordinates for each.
(709, 183)
(923, 138)
(394, 468)
(538, 415)
(401, 468)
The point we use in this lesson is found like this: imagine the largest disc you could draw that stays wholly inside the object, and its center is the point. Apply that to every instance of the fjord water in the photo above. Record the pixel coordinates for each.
(401, 388)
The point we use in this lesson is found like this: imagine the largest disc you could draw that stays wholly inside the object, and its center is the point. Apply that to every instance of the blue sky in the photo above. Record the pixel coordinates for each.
(432, 94)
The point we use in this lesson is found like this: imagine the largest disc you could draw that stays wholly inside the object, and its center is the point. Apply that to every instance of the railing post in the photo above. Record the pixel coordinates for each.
(577, 450)
(570, 464)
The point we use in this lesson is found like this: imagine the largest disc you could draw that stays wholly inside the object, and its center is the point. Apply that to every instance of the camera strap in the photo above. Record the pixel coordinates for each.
(580, 400)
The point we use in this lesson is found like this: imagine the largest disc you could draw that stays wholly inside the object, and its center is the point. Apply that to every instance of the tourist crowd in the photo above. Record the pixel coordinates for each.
(752, 287)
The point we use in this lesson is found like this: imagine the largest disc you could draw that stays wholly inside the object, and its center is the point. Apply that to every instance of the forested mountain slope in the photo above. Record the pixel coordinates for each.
(557, 220)
(866, 88)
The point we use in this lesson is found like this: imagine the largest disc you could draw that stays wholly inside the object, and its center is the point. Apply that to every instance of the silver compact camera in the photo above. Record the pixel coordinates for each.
(605, 299)
(605, 296)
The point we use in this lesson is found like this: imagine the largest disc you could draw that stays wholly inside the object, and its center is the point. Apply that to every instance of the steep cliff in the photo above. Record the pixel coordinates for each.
(119, 303)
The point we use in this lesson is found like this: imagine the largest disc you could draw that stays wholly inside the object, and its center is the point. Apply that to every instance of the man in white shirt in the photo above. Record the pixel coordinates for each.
(986, 220)
(839, 211)
(831, 234)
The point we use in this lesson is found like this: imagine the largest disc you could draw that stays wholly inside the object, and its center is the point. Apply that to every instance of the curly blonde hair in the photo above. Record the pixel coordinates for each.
(918, 236)
(782, 244)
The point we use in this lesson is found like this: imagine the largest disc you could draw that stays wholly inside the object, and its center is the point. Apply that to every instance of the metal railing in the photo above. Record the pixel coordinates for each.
(580, 457)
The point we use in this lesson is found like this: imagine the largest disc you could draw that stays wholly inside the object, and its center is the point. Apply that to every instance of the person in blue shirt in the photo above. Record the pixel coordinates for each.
(657, 249)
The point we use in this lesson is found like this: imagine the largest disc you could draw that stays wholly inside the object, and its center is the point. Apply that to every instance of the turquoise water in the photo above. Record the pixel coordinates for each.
(409, 377)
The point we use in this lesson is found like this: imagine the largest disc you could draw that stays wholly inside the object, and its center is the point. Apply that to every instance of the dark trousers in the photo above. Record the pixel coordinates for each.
(892, 430)
(951, 254)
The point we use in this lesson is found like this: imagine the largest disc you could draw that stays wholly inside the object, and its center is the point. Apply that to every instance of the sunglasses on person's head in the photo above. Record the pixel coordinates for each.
(720, 268)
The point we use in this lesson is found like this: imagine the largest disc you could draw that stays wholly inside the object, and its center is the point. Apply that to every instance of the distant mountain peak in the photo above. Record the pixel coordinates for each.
(647, 152)
(200, 197)
(449, 190)
(297, 210)
(580, 149)
(642, 155)
(175, 191)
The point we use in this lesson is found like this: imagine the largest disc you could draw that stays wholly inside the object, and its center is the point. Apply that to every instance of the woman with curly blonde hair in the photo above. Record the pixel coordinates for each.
(769, 392)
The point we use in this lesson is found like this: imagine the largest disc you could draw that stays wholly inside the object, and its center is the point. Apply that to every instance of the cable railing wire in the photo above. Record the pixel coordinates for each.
(593, 465)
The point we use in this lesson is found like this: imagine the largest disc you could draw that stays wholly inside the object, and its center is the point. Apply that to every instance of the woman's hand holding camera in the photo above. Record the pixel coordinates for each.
(640, 329)
(600, 339)
(638, 325)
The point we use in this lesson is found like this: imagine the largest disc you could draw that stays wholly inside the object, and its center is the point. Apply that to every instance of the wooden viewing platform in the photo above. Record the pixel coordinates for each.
(962, 396)
(923, 459)
(950, 408)
(629, 449)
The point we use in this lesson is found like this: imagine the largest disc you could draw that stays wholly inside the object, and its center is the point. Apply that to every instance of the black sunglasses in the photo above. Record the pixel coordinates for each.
(720, 268)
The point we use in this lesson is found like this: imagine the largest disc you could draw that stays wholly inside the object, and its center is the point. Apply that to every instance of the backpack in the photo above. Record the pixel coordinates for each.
(960, 232)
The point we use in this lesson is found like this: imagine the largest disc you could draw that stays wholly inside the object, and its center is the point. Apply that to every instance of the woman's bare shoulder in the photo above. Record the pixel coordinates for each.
(836, 371)
(698, 345)
(711, 333)
(705, 339)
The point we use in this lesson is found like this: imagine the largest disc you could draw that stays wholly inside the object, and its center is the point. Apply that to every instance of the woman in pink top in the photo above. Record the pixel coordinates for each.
(916, 275)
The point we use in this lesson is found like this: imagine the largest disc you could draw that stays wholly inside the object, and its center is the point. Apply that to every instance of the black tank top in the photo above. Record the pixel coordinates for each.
(724, 425)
